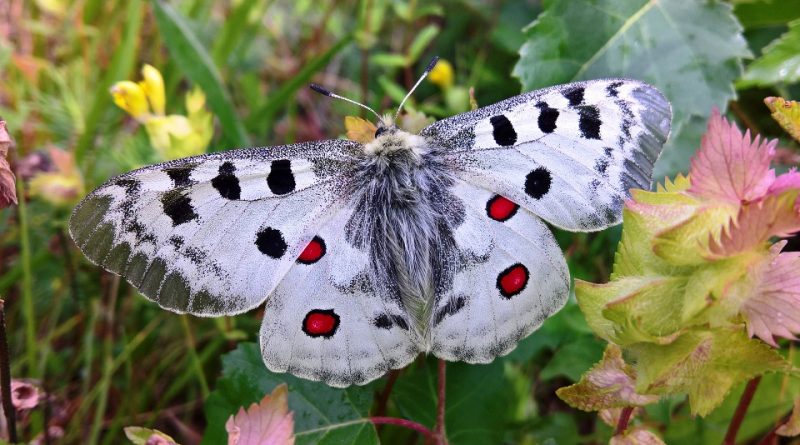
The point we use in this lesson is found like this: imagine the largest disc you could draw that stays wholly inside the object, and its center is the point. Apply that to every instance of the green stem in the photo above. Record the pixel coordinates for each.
(108, 363)
(28, 310)
(198, 367)
(5, 379)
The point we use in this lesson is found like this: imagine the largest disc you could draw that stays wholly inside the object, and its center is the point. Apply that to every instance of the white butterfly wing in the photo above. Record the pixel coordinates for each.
(512, 276)
(568, 153)
(329, 320)
(212, 234)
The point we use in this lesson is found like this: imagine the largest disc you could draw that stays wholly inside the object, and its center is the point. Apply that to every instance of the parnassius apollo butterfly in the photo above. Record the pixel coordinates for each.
(366, 255)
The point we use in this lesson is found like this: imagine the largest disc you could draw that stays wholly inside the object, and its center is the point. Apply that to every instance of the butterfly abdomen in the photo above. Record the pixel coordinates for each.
(405, 218)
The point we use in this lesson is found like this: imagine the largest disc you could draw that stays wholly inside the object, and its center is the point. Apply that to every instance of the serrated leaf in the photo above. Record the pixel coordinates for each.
(267, 423)
(323, 415)
(670, 44)
(480, 400)
(779, 63)
(609, 384)
(786, 113)
(703, 363)
(772, 306)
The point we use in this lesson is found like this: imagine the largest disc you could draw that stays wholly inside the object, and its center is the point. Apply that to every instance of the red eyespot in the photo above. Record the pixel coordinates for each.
(500, 208)
(513, 280)
(313, 252)
(321, 323)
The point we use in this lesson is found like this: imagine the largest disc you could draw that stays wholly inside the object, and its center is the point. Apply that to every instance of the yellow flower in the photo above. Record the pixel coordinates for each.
(153, 87)
(173, 136)
(442, 74)
(130, 97)
(61, 187)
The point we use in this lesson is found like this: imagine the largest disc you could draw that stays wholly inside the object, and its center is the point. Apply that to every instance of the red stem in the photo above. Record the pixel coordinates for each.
(741, 410)
(624, 418)
(440, 408)
(5, 378)
(405, 424)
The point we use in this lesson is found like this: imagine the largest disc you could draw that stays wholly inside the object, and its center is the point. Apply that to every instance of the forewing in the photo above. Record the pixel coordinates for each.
(570, 153)
(512, 276)
(212, 234)
(329, 320)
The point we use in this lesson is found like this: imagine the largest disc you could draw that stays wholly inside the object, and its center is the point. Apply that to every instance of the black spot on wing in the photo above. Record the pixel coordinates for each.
(575, 96)
(178, 207)
(537, 182)
(180, 176)
(547, 117)
(611, 89)
(281, 179)
(131, 186)
(382, 321)
(601, 165)
(503, 131)
(589, 121)
(270, 242)
(226, 182)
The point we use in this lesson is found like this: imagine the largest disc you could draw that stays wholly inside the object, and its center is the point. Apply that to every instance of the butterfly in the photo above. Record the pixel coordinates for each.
(366, 255)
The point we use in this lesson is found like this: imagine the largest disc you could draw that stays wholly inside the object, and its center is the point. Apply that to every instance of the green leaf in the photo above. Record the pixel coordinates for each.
(480, 400)
(761, 13)
(322, 415)
(195, 62)
(421, 41)
(390, 60)
(691, 50)
(141, 436)
(780, 62)
(704, 364)
(572, 359)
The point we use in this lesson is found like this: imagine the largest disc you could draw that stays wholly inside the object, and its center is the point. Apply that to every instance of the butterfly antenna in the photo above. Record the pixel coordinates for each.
(431, 64)
(325, 92)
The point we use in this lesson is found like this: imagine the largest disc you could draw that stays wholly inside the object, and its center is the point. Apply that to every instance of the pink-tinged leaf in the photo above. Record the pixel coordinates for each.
(267, 423)
(786, 181)
(776, 215)
(791, 427)
(636, 436)
(8, 185)
(773, 306)
(24, 395)
(609, 384)
(731, 166)
(146, 436)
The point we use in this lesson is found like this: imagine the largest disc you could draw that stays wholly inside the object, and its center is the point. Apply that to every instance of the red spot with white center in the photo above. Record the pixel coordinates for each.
(313, 252)
(321, 323)
(513, 280)
(500, 208)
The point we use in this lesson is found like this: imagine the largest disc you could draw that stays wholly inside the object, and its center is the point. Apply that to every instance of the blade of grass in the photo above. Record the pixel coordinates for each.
(196, 64)
(118, 68)
(231, 32)
(265, 114)
(198, 367)
(28, 309)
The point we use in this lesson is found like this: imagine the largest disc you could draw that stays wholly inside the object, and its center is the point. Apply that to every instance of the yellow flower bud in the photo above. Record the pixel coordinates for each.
(153, 86)
(177, 136)
(130, 97)
(195, 100)
(442, 74)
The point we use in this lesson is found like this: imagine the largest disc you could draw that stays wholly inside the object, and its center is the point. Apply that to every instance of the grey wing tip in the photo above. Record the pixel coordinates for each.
(656, 116)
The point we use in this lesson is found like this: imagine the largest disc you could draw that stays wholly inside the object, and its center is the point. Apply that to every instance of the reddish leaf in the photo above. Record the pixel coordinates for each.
(730, 166)
(268, 423)
(8, 185)
(773, 307)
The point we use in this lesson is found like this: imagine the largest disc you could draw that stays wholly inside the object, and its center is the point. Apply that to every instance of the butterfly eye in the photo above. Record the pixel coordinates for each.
(380, 131)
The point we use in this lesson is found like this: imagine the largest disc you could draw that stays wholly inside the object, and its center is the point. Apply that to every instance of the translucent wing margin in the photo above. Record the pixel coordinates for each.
(212, 234)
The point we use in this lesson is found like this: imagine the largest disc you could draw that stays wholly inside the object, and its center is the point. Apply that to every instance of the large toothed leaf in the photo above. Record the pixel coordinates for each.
(322, 415)
(480, 400)
(690, 49)
(704, 364)
(773, 305)
(786, 113)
